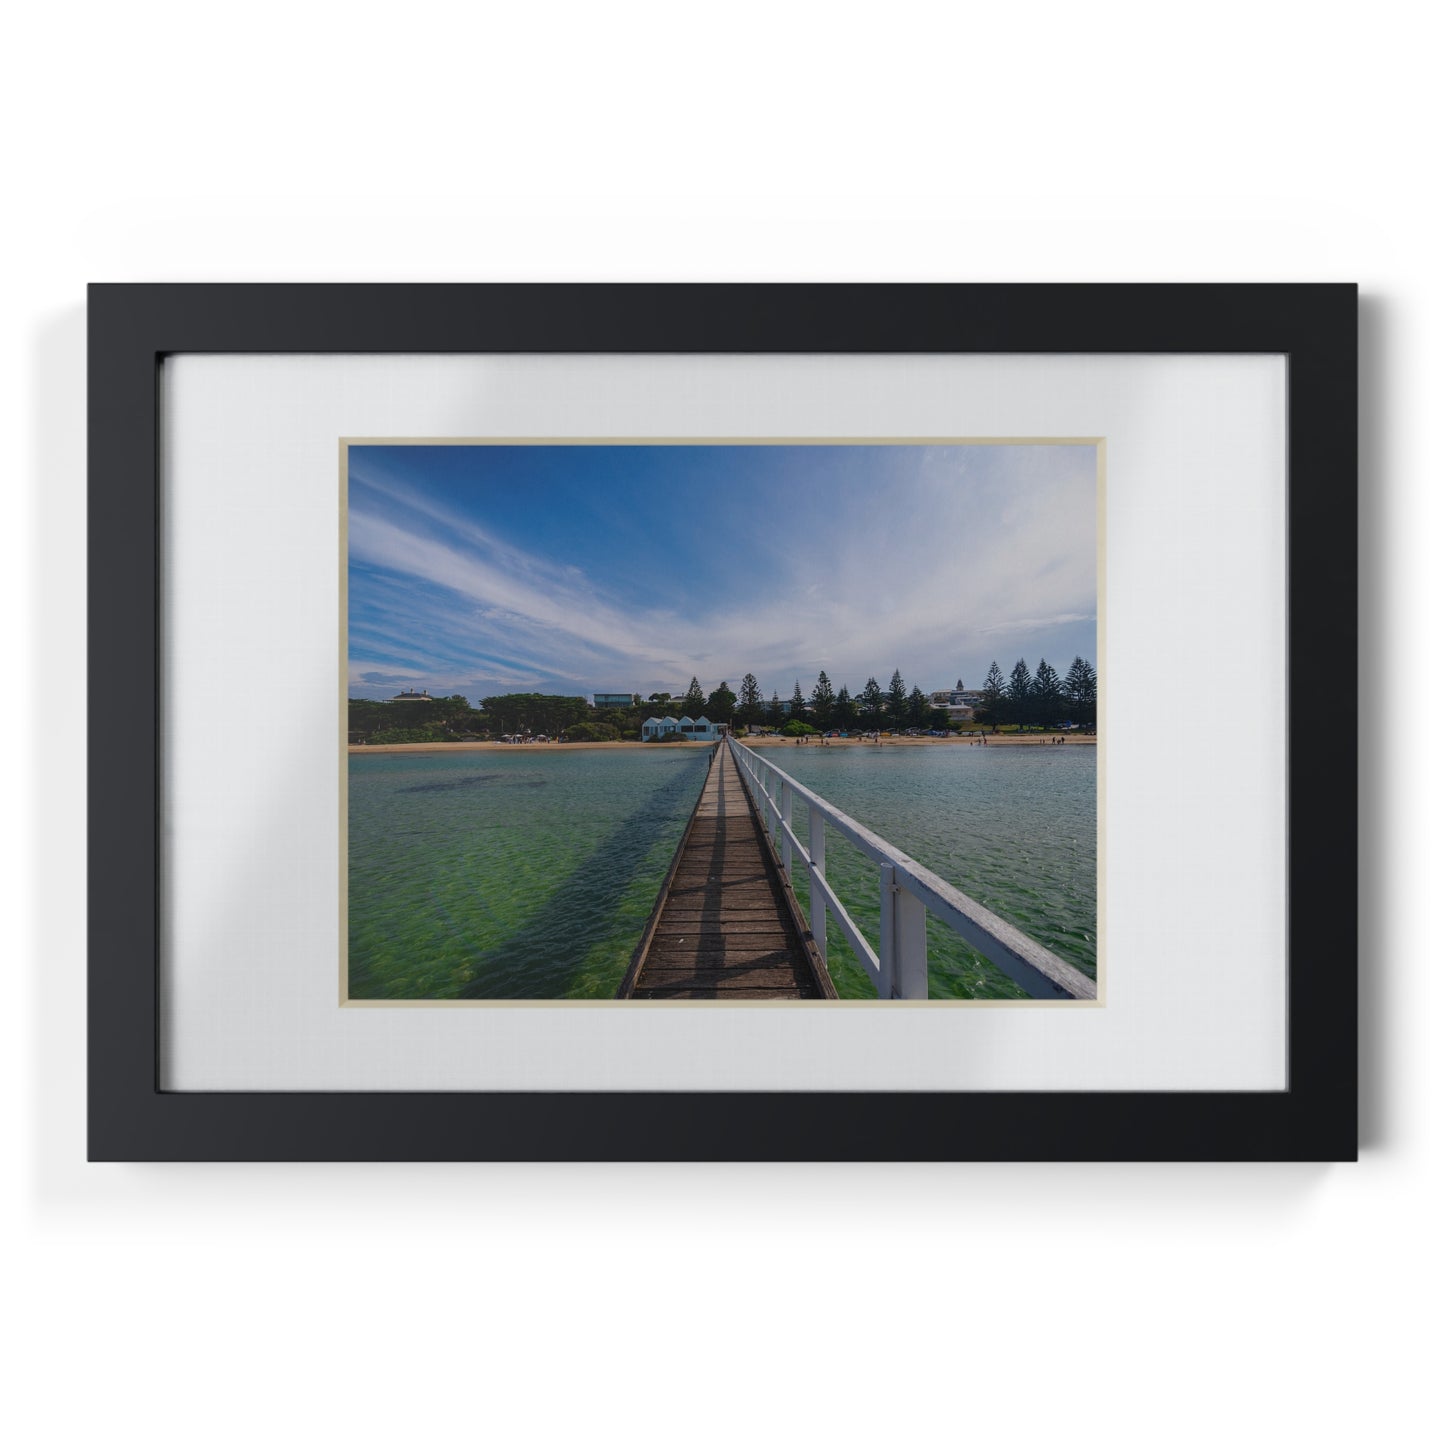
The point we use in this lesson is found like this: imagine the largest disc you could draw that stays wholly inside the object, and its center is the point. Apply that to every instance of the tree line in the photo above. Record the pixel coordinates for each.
(419, 720)
(1041, 698)
(1037, 698)
(1026, 699)
(454, 719)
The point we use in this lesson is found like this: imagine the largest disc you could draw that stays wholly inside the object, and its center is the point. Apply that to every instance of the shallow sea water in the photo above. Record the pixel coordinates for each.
(531, 873)
(519, 874)
(1013, 827)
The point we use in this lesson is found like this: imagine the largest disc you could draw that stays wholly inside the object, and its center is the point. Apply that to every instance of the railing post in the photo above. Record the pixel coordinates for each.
(785, 807)
(910, 926)
(902, 939)
(887, 944)
(817, 903)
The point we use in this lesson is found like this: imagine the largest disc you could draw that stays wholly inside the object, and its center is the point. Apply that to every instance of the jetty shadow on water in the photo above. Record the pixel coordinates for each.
(528, 963)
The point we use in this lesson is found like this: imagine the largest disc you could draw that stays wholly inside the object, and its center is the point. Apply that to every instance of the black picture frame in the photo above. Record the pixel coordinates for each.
(133, 327)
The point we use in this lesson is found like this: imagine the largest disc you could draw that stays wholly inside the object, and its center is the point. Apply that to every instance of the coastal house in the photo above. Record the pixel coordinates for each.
(410, 696)
(611, 699)
(699, 728)
(957, 701)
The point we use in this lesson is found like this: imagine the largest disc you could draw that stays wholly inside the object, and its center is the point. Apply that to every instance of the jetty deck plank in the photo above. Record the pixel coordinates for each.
(725, 927)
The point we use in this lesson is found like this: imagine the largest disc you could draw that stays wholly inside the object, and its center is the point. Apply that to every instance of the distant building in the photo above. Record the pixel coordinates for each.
(409, 696)
(958, 702)
(957, 697)
(611, 699)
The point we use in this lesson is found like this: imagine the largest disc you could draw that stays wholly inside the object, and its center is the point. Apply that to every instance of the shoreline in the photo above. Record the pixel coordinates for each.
(1011, 740)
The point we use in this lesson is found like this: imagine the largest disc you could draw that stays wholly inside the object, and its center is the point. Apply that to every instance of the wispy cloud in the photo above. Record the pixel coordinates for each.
(856, 560)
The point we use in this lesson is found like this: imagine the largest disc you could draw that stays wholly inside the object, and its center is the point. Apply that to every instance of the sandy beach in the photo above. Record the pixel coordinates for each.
(1002, 740)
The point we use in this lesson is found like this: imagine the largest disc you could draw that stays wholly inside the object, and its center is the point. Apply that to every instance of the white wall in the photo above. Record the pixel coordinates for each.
(1073, 142)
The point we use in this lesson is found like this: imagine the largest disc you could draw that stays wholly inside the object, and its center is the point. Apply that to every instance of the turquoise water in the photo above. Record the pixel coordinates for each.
(518, 874)
(531, 873)
(1013, 827)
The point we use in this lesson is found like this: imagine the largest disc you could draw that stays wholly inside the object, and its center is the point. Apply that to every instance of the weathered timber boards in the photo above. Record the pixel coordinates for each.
(723, 927)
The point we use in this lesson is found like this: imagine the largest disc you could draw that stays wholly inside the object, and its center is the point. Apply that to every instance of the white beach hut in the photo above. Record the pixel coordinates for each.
(700, 728)
(696, 729)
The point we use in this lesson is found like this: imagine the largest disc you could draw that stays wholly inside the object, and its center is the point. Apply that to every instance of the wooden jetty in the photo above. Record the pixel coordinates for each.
(726, 924)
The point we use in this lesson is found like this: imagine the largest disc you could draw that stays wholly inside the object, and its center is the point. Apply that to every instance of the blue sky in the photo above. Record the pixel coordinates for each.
(581, 569)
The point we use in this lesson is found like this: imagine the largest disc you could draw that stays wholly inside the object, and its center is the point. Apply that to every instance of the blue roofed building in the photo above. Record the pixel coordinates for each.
(696, 729)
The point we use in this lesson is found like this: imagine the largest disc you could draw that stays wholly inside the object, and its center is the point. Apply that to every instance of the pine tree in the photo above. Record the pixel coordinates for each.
(694, 702)
(872, 705)
(993, 706)
(800, 708)
(1081, 693)
(720, 703)
(775, 711)
(845, 710)
(1047, 695)
(897, 700)
(750, 701)
(917, 707)
(1019, 694)
(823, 702)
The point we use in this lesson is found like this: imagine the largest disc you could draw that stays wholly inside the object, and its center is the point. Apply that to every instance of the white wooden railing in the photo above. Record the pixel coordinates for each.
(907, 893)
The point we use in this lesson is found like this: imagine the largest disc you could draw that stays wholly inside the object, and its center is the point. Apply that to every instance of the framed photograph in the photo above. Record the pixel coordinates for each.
(722, 722)
(511, 837)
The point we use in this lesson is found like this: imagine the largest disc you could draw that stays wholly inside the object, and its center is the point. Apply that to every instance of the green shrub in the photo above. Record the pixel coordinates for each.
(411, 735)
(589, 732)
